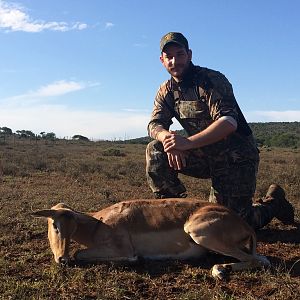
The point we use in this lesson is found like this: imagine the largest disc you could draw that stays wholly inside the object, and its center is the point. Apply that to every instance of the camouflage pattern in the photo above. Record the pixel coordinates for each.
(203, 97)
(233, 185)
(174, 37)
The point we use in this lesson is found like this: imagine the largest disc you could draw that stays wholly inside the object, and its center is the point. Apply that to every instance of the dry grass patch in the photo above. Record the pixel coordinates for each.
(40, 175)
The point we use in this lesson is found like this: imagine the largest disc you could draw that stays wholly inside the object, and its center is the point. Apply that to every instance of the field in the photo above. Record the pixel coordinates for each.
(92, 175)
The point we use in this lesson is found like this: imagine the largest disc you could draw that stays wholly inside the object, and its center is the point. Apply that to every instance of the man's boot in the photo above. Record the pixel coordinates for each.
(281, 207)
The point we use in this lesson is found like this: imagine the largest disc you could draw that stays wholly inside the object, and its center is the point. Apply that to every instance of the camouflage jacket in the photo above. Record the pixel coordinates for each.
(202, 97)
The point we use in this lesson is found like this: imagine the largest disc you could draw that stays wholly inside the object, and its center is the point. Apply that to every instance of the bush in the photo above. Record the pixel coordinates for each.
(285, 140)
(113, 152)
(78, 137)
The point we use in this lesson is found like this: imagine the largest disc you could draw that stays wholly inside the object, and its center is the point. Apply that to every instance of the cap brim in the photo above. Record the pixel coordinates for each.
(172, 42)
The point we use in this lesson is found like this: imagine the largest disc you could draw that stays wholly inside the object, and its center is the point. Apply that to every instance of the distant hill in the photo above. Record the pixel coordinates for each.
(277, 134)
(271, 134)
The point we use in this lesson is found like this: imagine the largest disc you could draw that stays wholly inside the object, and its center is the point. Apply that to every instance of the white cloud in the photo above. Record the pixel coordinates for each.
(80, 26)
(57, 88)
(273, 116)
(65, 122)
(14, 18)
(96, 125)
(31, 111)
(109, 25)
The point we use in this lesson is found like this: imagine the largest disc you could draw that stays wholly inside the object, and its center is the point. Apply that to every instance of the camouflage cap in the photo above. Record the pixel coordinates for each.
(174, 37)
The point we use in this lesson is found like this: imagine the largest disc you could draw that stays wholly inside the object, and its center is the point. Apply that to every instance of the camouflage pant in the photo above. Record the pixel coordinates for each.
(233, 184)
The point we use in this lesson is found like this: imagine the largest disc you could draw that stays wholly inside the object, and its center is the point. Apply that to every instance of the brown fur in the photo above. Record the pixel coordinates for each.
(156, 229)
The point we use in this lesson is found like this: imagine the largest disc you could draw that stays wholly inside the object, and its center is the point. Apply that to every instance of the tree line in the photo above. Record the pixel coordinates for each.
(6, 132)
(269, 134)
(26, 134)
(277, 134)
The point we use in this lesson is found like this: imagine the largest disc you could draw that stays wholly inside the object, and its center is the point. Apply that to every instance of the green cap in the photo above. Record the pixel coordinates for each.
(174, 37)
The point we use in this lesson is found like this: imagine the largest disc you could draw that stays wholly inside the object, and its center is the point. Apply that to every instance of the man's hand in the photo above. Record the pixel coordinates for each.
(177, 159)
(176, 142)
(215, 132)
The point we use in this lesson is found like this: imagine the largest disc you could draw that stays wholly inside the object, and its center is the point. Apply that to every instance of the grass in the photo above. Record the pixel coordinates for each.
(89, 176)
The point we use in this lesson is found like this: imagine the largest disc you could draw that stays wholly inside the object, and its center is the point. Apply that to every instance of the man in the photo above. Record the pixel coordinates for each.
(220, 144)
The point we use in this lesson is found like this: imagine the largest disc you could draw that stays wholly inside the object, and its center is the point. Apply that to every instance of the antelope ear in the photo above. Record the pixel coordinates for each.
(61, 205)
(44, 213)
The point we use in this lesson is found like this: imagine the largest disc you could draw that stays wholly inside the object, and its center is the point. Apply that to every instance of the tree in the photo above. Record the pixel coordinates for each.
(79, 137)
(5, 131)
(50, 136)
(25, 134)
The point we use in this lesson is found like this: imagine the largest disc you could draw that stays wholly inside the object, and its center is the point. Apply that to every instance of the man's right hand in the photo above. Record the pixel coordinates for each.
(177, 159)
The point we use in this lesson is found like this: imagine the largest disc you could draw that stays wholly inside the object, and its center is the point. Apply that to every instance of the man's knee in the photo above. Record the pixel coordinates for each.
(155, 155)
(154, 150)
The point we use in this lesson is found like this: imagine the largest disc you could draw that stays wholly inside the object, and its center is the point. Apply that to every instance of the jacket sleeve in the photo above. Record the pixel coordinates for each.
(161, 116)
(220, 98)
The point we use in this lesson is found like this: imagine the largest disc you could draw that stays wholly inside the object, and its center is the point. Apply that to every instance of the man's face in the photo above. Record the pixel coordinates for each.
(176, 60)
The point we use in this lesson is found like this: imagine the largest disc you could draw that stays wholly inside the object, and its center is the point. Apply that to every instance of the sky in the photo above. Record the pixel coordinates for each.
(91, 67)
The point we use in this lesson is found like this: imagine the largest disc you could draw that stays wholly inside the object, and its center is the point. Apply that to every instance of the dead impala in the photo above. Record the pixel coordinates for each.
(154, 229)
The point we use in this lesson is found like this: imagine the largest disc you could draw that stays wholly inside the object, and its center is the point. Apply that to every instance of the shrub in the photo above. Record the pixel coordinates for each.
(113, 152)
(79, 137)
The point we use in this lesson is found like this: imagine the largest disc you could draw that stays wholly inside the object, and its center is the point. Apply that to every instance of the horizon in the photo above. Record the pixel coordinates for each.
(40, 134)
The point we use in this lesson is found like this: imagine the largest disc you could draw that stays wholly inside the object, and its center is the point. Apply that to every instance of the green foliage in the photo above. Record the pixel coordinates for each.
(25, 134)
(49, 136)
(284, 140)
(277, 134)
(5, 131)
(271, 134)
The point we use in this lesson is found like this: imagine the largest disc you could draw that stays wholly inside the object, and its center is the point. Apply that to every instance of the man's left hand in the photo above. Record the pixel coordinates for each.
(176, 142)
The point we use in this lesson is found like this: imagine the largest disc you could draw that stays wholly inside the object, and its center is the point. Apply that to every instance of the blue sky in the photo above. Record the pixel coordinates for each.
(92, 67)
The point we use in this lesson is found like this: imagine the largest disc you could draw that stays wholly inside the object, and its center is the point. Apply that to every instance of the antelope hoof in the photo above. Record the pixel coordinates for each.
(220, 272)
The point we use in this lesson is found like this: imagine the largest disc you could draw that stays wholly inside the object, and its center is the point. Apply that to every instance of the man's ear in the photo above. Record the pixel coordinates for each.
(161, 58)
(190, 54)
